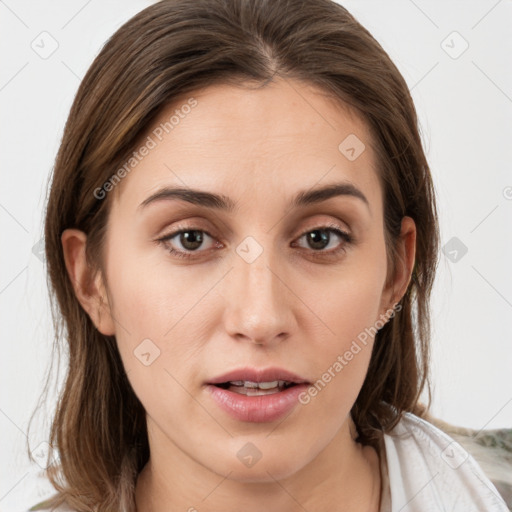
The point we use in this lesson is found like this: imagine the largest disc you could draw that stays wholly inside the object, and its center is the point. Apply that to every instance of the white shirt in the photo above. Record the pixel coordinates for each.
(425, 470)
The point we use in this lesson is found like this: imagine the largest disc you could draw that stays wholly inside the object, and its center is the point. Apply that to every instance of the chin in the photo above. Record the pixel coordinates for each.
(261, 461)
(262, 473)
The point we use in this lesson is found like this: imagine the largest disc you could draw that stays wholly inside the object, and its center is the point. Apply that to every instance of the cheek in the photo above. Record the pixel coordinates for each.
(349, 307)
(351, 298)
(153, 311)
(161, 318)
(150, 296)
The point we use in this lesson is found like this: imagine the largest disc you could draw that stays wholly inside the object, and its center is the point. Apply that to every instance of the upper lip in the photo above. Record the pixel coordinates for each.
(258, 375)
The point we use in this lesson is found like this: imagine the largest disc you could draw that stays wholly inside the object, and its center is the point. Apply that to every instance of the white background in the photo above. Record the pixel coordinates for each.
(465, 110)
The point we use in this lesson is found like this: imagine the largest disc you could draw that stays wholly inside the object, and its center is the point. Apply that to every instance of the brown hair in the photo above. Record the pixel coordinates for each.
(170, 49)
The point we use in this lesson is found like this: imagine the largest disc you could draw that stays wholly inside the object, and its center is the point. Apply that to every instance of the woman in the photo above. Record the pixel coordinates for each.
(241, 237)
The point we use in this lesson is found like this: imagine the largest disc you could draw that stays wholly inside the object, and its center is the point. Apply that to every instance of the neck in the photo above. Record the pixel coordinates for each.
(343, 476)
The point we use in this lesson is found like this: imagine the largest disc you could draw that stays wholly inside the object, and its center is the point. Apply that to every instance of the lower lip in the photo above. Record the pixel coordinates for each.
(257, 409)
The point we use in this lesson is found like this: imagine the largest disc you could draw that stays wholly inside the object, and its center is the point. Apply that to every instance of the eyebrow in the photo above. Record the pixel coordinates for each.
(222, 202)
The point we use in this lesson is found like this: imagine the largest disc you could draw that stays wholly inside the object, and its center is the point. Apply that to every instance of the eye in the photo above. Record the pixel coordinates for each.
(327, 237)
(184, 242)
(189, 239)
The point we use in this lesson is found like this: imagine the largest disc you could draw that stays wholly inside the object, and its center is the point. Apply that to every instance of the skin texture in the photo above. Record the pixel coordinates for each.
(293, 307)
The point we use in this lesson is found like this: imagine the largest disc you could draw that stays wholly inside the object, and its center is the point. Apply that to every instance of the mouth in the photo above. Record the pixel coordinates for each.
(254, 395)
(250, 388)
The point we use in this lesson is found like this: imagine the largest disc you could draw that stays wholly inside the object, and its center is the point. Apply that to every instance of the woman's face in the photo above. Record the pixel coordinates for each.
(267, 288)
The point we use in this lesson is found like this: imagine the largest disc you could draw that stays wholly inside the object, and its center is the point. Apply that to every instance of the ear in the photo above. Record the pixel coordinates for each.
(406, 252)
(88, 285)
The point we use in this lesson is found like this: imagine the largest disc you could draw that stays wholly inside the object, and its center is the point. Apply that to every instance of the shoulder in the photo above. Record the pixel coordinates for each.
(428, 470)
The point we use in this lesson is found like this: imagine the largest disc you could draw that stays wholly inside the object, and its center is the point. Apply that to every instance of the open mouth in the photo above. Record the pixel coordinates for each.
(250, 388)
(256, 395)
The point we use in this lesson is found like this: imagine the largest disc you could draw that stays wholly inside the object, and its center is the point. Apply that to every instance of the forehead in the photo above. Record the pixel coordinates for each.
(284, 136)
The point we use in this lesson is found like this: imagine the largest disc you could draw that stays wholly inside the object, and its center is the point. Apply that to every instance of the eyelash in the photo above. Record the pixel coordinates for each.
(346, 237)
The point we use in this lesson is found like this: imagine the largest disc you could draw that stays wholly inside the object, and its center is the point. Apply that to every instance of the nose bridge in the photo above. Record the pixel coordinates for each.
(259, 307)
(260, 281)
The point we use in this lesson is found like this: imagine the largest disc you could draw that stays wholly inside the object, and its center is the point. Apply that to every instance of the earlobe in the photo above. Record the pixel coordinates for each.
(406, 252)
(88, 287)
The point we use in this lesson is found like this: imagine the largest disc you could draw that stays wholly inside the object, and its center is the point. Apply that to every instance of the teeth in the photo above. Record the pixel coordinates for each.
(269, 385)
(261, 385)
(260, 392)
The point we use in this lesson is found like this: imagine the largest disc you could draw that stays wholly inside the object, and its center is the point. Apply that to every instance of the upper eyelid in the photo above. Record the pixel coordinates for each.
(181, 229)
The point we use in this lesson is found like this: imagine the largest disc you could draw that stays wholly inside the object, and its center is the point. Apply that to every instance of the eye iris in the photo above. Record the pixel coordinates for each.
(318, 239)
(191, 239)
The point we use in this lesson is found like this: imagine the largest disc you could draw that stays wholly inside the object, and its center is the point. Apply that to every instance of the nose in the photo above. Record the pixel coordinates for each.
(259, 305)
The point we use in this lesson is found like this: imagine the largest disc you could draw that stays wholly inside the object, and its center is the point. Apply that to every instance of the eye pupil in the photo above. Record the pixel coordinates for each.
(191, 239)
(318, 238)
